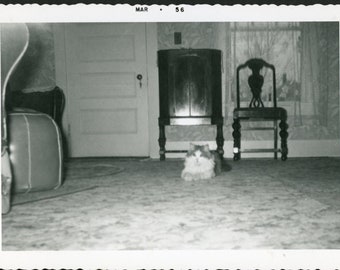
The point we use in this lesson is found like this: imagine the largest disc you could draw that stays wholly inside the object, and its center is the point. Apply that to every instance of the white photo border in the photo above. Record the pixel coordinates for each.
(244, 259)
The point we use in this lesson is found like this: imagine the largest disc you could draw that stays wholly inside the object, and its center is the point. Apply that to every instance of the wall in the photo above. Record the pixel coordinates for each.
(195, 35)
(207, 35)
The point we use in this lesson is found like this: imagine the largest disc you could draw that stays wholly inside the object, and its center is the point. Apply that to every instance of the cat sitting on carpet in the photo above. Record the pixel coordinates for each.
(201, 163)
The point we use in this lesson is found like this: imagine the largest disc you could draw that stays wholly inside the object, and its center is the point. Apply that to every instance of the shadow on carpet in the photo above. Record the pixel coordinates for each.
(74, 172)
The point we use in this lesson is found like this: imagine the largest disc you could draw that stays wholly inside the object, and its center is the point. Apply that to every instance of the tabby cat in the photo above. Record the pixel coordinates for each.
(201, 163)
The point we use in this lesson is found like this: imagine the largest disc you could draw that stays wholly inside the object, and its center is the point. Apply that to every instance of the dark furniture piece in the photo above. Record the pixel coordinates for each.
(256, 111)
(190, 91)
(51, 102)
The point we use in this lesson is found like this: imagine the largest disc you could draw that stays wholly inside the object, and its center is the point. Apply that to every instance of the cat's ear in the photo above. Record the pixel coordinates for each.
(192, 147)
(206, 147)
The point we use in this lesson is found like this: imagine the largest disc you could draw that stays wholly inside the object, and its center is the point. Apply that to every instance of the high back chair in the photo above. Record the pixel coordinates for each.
(256, 110)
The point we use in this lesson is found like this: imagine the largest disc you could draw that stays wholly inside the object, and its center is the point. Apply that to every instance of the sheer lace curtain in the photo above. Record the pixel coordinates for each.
(320, 75)
(306, 58)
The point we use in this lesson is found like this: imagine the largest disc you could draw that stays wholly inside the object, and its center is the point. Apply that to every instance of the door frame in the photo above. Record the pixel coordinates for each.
(152, 82)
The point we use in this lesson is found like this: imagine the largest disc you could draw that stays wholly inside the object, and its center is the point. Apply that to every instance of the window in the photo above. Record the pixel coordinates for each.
(278, 43)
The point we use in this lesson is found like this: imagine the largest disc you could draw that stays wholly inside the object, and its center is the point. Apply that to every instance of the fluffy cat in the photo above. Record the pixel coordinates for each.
(201, 163)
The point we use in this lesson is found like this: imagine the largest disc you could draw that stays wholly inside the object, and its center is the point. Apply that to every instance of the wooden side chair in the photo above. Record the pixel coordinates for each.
(256, 111)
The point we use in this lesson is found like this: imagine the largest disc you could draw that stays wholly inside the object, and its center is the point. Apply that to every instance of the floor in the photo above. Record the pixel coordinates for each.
(259, 204)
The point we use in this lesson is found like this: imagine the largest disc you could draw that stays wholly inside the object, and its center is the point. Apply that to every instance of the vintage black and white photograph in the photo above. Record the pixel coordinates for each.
(191, 135)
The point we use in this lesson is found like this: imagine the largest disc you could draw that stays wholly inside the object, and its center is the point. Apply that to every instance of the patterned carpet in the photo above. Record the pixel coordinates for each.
(259, 204)
(76, 169)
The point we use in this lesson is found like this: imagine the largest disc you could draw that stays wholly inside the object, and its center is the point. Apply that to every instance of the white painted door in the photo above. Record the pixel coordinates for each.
(107, 103)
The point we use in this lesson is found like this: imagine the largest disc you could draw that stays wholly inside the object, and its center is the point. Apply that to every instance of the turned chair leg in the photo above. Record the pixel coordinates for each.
(161, 142)
(237, 139)
(284, 136)
(275, 139)
(220, 140)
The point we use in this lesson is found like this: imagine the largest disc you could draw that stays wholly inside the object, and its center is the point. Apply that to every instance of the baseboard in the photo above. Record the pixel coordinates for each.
(296, 148)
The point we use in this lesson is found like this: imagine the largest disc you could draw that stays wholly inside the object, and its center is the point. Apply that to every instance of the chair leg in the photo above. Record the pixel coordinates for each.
(275, 139)
(161, 142)
(220, 140)
(284, 136)
(237, 139)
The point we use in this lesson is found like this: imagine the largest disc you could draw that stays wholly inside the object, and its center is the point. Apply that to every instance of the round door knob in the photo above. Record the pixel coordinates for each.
(139, 76)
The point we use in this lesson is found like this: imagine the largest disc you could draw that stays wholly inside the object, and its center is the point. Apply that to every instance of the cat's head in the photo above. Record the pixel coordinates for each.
(199, 151)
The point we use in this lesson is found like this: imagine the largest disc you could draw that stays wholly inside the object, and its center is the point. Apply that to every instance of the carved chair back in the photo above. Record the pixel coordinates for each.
(255, 82)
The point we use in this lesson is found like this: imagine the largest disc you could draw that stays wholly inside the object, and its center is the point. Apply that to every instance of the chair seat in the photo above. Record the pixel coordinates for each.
(260, 113)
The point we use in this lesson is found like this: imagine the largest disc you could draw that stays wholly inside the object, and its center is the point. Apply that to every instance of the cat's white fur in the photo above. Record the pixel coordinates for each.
(197, 167)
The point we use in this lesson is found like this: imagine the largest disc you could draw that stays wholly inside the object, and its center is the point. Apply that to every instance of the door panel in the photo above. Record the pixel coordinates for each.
(107, 103)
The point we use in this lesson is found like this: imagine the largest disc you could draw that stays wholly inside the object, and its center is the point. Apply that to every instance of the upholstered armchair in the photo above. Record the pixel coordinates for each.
(31, 149)
(13, 47)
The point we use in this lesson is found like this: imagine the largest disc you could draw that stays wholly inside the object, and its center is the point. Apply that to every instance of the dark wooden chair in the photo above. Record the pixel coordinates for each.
(256, 111)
